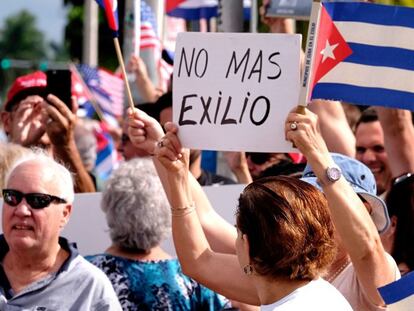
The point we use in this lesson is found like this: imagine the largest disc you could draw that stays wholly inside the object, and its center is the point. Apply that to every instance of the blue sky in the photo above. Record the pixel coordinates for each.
(50, 15)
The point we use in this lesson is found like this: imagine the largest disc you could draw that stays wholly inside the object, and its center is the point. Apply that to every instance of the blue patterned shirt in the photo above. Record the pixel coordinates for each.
(156, 285)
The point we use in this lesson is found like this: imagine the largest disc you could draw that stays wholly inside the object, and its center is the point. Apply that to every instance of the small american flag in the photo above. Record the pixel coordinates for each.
(107, 88)
(150, 40)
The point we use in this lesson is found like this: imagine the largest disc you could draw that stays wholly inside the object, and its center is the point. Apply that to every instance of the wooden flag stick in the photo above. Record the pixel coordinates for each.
(311, 42)
(124, 74)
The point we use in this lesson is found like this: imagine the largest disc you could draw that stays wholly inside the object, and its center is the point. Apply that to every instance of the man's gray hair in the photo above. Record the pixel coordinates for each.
(63, 176)
(136, 207)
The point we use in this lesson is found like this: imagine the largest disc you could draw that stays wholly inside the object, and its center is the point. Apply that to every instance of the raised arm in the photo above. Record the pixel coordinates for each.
(334, 126)
(145, 132)
(398, 139)
(352, 221)
(60, 130)
(146, 88)
(220, 272)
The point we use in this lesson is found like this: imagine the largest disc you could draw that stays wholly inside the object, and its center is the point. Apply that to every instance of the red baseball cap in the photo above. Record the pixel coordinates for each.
(30, 84)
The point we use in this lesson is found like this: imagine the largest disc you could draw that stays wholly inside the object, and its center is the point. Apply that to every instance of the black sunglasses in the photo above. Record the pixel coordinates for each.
(35, 200)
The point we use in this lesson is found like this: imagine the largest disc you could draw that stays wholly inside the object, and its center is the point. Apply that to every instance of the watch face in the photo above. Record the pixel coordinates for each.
(333, 173)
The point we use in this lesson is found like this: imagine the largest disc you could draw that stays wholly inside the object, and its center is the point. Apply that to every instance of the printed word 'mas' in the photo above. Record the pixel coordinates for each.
(217, 112)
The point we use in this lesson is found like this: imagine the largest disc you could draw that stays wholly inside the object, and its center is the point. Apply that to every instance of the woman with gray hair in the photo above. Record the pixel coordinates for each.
(144, 276)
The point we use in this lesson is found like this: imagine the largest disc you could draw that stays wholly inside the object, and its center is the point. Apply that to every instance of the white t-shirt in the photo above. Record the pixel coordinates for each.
(317, 295)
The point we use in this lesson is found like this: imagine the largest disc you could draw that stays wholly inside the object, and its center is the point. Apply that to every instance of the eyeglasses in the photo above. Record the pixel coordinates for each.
(35, 200)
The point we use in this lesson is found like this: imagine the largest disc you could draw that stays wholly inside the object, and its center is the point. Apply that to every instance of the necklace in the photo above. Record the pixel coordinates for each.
(338, 271)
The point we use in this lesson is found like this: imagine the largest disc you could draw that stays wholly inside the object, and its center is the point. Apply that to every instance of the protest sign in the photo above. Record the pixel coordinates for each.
(233, 91)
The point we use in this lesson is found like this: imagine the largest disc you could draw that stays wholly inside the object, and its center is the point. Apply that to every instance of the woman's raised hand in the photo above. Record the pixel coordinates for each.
(303, 131)
(143, 130)
(170, 153)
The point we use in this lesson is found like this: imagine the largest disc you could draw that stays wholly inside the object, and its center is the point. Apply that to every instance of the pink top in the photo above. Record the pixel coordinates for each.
(348, 284)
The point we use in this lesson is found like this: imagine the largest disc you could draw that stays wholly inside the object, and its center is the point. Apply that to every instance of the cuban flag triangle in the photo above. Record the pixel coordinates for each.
(364, 54)
(399, 295)
(111, 12)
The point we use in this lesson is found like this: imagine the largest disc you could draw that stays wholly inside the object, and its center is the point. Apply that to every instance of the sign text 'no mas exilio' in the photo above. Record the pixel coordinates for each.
(234, 91)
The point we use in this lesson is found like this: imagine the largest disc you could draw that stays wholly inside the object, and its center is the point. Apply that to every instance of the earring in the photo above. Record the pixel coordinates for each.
(248, 269)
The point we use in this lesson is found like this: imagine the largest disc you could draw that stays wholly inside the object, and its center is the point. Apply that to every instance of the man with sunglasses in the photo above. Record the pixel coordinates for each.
(32, 117)
(39, 270)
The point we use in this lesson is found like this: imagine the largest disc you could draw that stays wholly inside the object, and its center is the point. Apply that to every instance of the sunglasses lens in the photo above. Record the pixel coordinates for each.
(12, 198)
(37, 200)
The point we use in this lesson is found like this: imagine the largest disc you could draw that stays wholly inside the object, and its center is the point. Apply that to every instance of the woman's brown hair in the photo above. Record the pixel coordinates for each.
(288, 226)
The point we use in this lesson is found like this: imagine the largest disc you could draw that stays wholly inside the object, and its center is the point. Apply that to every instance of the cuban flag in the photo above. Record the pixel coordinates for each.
(111, 12)
(107, 158)
(365, 54)
(399, 295)
(198, 9)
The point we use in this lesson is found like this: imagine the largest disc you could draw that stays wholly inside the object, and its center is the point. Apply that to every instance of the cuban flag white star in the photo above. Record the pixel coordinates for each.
(328, 51)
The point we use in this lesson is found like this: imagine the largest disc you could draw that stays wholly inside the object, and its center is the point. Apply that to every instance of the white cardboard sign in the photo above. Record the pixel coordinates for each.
(233, 91)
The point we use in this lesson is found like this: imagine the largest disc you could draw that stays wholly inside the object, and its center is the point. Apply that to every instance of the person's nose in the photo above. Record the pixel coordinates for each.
(369, 156)
(22, 209)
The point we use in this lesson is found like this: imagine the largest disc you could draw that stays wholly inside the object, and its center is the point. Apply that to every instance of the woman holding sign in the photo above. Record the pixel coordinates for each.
(284, 241)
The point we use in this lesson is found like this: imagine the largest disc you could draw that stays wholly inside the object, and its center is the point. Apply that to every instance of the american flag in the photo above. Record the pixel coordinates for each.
(150, 40)
(107, 88)
(83, 95)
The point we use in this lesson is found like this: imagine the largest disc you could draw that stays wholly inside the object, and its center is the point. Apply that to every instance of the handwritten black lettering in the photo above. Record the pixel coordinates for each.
(206, 106)
(233, 62)
(185, 108)
(279, 70)
(259, 63)
(266, 114)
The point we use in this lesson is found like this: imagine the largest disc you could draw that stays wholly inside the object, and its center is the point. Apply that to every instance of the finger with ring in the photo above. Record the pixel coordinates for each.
(160, 143)
(294, 126)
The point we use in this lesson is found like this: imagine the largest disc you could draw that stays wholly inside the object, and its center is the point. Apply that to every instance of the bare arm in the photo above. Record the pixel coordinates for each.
(142, 80)
(238, 165)
(352, 221)
(334, 126)
(61, 133)
(144, 133)
(398, 139)
(220, 272)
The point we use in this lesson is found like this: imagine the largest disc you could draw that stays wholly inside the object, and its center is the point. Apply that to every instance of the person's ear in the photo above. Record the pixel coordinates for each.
(246, 245)
(393, 225)
(66, 212)
(6, 121)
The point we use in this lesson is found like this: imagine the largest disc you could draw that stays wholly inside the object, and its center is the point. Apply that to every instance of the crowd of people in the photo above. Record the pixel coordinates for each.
(320, 229)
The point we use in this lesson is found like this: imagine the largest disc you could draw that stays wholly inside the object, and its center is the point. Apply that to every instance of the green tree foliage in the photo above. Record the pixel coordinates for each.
(74, 34)
(21, 39)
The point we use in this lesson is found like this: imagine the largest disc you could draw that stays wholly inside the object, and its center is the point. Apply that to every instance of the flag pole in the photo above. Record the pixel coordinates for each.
(124, 74)
(137, 27)
(311, 41)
